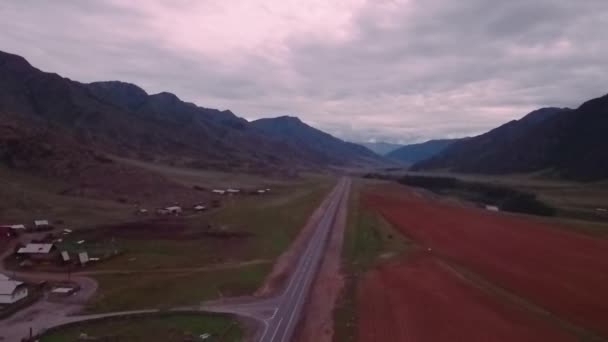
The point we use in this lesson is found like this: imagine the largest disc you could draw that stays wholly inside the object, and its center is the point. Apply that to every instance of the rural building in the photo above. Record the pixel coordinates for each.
(492, 208)
(233, 191)
(175, 210)
(199, 208)
(39, 251)
(218, 192)
(11, 290)
(14, 226)
(42, 224)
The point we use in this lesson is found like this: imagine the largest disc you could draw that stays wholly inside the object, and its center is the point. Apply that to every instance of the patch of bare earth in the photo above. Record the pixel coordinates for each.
(318, 321)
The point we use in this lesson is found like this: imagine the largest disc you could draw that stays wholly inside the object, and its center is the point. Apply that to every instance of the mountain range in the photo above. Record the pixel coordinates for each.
(122, 119)
(562, 142)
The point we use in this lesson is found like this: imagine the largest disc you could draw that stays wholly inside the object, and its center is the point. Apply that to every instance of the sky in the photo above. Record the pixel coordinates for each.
(399, 71)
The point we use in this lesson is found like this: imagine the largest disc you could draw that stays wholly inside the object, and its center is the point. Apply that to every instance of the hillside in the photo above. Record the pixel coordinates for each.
(569, 143)
(314, 143)
(414, 153)
(123, 119)
(78, 170)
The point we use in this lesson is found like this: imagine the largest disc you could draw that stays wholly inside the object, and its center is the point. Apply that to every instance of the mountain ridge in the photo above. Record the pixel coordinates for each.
(123, 119)
(569, 143)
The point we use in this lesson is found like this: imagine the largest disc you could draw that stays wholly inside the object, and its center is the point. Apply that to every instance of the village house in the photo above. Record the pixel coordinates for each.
(200, 208)
(11, 290)
(39, 251)
(42, 225)
(218, 192)
(174, 210)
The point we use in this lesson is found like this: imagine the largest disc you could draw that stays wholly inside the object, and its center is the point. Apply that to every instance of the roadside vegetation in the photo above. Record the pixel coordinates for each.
(165, 328)
(369, 240)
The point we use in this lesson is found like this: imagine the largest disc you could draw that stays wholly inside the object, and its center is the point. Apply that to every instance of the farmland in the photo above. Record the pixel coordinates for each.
(525, 279)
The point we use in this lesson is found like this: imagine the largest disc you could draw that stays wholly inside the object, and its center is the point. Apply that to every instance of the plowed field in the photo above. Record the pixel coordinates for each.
(562, 272)
(419, 300)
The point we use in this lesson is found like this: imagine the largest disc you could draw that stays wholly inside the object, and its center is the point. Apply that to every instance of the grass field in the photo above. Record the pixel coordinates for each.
(272, 221)
(166, 290)
(24, 199)
(169, 328)
(368, 240)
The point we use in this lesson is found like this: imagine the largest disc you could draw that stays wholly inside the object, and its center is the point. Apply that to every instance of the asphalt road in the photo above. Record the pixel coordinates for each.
(280, 326)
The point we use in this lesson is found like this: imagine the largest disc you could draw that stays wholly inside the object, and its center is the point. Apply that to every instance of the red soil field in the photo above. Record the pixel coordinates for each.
(563, 272)
(419, 300)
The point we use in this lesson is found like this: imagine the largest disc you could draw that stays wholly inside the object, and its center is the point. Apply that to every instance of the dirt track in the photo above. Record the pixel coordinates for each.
(562, 272)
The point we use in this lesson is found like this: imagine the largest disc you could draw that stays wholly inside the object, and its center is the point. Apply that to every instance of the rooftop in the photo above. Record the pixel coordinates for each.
(36, 248)
(7, 287)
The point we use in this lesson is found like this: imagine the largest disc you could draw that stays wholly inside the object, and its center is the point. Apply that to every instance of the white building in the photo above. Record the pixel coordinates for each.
(174, 210)
(41, 224)
(36, 248)
(219, 192)
(200, 207)
(11, 290)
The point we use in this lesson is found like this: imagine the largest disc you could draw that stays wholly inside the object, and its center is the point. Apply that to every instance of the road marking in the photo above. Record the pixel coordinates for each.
(277, 330)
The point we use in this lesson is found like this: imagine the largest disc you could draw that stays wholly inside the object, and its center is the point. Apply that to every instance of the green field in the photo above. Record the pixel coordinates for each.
(168, 328)
(272, 222)
(167, 290)
(368, 241)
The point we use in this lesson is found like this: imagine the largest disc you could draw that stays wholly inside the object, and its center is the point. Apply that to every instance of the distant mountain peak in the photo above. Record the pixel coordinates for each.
(292, 131)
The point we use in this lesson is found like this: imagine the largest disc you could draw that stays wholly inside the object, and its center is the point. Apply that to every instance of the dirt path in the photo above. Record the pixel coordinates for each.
(318, 320)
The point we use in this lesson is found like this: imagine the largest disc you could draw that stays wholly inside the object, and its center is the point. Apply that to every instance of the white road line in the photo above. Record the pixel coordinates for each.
(275, 332)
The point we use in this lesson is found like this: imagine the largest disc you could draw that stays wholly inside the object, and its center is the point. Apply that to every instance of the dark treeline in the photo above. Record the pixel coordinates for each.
(506, 199)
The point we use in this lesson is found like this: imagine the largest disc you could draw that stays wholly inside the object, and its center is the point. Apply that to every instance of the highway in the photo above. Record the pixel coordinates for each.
(280, 326)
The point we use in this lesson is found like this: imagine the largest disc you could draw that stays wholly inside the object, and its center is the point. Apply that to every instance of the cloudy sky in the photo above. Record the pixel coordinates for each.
(391, 70)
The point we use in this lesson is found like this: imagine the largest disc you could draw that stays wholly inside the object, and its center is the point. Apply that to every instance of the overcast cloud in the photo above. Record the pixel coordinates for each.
(397, 71)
